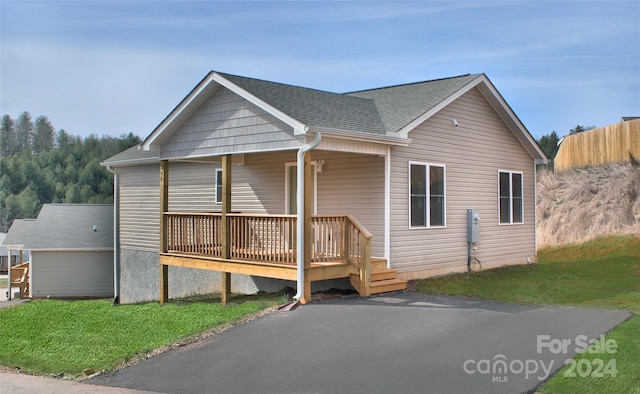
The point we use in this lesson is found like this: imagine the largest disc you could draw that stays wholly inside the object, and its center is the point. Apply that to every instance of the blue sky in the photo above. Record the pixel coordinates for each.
(113, 67)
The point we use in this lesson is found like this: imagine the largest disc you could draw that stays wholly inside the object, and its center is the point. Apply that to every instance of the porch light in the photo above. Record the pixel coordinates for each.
(319, 165)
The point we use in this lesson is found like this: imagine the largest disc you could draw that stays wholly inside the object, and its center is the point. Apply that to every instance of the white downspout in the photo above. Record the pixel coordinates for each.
(535, 210)
(300, 212)
(387, 207)
(116, 235)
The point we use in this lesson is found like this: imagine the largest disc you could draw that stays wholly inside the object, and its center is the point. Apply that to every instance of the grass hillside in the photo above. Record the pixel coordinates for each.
(584, 204)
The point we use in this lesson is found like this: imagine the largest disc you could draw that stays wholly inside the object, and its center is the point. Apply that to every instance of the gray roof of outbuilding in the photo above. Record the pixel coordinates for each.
(65, 226)
(19, 232)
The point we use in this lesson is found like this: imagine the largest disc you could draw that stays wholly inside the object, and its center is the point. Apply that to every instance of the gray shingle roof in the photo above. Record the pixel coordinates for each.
(400, 105)
(19, 232)
(385, 113)
(65, 226)
(133, 154)
(315, 107)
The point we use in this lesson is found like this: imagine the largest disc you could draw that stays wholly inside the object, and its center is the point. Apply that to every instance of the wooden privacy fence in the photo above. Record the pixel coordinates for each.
(608, 144)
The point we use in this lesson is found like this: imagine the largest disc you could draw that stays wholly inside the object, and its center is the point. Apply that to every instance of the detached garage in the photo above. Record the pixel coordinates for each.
(71, 251)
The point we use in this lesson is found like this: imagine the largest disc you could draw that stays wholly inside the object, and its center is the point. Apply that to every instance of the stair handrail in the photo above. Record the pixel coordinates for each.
(363, 264)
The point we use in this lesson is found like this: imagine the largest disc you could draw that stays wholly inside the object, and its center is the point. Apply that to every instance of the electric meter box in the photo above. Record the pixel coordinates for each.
(473, 225)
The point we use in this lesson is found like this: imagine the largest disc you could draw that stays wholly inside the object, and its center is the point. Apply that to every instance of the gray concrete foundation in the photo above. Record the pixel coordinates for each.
(140, 280)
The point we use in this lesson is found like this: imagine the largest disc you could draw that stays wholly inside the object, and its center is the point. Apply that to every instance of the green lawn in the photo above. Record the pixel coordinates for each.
(604, 273)
(69, 337)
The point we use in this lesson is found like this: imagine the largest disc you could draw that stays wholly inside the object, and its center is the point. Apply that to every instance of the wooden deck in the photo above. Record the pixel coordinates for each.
(337, 246)
(317, 271)
(333, 246)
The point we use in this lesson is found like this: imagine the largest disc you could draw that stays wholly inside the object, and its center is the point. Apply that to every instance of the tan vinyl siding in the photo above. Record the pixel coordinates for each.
(472, 152)
(227, 123)
(140, 207)
(192, 187)
(349, 183)
(354, 184)
(258, 187)
(72, 274)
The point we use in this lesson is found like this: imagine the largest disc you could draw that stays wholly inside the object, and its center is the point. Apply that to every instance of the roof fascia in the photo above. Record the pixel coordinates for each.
(14, 246)
(233, 154)
(131, 162)
(195, 98)
(168, 124)
(511, 120)
(72, 250)
(360, 136)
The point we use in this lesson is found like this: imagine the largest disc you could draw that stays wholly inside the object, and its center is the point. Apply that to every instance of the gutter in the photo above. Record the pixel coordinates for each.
(116, 235)
(300, 212)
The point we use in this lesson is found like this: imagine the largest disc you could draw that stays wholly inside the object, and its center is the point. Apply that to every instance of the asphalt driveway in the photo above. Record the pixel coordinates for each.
(400, 343)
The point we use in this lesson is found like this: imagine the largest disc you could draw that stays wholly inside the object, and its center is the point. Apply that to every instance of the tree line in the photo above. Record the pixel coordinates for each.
(39, 165)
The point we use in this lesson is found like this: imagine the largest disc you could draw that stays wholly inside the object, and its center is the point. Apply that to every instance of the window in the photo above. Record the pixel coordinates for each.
(510, 190)
(219, 186)
(426, 195)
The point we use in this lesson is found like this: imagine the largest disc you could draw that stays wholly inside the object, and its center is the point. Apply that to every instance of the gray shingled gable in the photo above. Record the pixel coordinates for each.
(65, 226)
(401, 104)
(315, 108)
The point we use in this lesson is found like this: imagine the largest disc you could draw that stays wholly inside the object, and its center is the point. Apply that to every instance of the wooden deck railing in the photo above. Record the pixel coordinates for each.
(19, 277)
(267, 238)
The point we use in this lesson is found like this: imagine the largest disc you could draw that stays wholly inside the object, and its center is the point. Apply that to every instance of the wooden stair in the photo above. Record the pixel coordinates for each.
(383, 279)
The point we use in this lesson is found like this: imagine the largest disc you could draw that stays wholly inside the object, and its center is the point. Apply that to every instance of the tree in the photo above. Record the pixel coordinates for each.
(33, 171)
(576, 130)
(63, 139)
(549, 144)
(126, 141)
(73, 195)
(29, 202)
(7, 136)
(579, 129)
(24, 132)
(43, 136)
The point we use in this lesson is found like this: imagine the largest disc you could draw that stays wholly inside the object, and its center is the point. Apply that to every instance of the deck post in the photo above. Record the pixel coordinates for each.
(226, 233)
(225, 293)
(226, 205)
(164, 207)
(345, 244)
(308, 228)
(365, 266)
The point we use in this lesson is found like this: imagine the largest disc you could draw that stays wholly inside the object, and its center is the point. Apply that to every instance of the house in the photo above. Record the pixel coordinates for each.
(6, 255)
(212, 200)
(71, 250)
